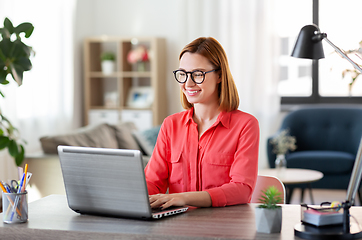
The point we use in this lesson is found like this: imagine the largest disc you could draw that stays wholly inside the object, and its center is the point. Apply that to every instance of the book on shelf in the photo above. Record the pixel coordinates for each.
(322, 218)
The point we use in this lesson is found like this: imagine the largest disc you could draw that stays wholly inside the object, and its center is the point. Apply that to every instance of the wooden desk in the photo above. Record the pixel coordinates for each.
(50, 218)
(295, 176)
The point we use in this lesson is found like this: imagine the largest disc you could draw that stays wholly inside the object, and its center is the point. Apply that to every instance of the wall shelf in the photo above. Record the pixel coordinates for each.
(106, 96)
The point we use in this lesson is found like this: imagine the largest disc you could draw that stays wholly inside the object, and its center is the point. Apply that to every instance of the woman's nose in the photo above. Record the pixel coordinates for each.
(189, 81)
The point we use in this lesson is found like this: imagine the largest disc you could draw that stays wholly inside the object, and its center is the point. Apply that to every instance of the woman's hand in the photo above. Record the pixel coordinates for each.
(167, 200)
(197, 199)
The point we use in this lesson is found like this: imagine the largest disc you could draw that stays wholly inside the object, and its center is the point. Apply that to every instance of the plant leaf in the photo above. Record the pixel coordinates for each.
(17, 74)
(4, 33)
(4, 142)
(19, 49)
(5, 47)
(23, 63)
(3, 75)
(20, 157)
(270, 198)
(25, 27)
(8, 25)
(13, 148)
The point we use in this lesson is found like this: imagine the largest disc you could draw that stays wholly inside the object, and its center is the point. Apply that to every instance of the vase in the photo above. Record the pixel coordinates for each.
(280, 165)
(141, 66)
(107, 67)
(268, 220)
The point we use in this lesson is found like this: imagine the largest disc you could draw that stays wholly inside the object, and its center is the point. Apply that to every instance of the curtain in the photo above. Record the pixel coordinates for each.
(44, 104)
(247, 32)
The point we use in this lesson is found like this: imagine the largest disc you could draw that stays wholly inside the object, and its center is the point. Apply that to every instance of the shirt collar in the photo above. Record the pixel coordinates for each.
(223, 118)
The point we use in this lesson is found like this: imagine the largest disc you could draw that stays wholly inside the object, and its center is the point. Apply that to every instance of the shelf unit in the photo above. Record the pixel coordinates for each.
(106, 96)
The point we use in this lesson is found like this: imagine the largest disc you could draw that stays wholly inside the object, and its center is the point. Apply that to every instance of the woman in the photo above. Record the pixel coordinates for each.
(207, 155)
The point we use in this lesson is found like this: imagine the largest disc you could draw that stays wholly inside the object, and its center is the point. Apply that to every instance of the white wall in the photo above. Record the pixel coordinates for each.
(181, 21)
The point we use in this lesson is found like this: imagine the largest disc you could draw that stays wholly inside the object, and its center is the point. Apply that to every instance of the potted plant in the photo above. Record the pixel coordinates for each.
(268, 215)
(140, 56)
(282, 143)
(107, 59)
(14, 61)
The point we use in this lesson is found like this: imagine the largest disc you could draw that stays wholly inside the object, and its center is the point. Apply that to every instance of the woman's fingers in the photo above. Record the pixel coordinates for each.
(166, 200)
(157, 200)
(161, 200)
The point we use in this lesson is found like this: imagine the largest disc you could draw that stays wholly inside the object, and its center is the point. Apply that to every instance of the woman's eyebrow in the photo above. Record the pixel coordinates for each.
(195, 69)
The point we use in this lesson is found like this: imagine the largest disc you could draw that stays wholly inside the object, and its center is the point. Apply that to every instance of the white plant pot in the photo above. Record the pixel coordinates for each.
(268, 220)
(107, 67)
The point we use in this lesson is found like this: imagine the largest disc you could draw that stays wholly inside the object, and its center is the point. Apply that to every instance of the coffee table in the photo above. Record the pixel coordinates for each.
(295, 176)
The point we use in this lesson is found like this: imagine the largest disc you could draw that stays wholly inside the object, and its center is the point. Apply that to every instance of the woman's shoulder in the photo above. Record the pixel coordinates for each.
(176, 120)
(240, 121)
(238, 115)
(179, 117)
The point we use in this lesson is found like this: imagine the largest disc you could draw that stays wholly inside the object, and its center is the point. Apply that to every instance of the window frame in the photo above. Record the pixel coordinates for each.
(315, 98)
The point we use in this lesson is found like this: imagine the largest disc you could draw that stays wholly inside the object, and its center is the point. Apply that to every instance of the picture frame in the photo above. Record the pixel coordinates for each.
(140, 97)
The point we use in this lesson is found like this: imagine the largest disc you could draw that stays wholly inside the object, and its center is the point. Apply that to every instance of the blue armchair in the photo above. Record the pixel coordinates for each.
(327, 141)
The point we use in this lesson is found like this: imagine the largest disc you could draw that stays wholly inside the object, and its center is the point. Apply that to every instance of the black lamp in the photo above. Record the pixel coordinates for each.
(309, 45)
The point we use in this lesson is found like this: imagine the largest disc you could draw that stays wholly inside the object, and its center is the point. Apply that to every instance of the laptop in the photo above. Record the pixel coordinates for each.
(107, 182)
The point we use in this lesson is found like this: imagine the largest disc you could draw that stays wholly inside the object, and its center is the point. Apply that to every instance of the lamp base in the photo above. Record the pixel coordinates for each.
(307, 231)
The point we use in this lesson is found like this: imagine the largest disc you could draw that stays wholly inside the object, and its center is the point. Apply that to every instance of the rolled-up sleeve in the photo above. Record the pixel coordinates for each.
(243, 170)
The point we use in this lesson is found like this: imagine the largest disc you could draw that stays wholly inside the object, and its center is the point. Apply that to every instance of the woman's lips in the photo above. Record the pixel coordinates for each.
(192, 92)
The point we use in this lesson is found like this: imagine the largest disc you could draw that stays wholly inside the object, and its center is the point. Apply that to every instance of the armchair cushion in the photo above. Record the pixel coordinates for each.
(325, 161)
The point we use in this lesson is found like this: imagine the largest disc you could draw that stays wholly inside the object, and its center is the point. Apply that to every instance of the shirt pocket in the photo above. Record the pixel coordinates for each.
(219, 159)
(176, 168)
(216, 168)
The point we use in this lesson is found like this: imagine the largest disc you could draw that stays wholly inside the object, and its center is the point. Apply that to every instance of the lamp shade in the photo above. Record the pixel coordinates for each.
(309, 43)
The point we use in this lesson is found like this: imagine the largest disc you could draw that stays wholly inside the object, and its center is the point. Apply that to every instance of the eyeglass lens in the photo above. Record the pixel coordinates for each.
(197, 76)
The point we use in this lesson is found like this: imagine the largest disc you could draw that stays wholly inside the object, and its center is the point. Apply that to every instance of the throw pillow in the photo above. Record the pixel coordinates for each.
(124, 135)
(102, 136)
(147, 139)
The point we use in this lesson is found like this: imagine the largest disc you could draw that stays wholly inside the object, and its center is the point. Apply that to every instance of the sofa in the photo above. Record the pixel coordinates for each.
(45, 166)
(122, 136)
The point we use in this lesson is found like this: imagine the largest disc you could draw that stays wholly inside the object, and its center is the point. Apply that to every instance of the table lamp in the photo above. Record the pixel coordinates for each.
(309, 45)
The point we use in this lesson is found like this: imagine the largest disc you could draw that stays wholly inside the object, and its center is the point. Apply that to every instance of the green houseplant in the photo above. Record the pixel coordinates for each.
(107, 59)
(108, 56)
(268, 215)
(14, 61)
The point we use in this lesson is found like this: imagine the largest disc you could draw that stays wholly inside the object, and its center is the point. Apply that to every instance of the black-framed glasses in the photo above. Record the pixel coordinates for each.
(197, 76)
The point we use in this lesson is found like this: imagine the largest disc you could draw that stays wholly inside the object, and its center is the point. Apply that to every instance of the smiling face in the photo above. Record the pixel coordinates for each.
(205, 93)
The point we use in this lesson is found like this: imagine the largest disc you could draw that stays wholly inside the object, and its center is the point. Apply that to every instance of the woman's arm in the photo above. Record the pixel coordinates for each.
(197, 199)
(156, 171)
(244, 169)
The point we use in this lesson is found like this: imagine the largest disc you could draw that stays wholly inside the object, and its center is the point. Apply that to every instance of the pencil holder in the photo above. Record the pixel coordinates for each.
(15, 207)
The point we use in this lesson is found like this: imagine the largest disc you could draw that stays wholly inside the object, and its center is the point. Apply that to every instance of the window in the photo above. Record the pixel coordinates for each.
(304, 81)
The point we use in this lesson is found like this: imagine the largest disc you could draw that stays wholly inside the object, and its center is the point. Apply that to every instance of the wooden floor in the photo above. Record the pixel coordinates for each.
(321, 195)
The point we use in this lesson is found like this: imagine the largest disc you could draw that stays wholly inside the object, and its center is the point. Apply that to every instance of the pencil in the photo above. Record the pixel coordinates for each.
(3, 188)
(25, 172)
(10, 200)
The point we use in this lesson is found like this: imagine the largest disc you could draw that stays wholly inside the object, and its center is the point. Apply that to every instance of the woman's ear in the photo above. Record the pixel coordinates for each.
(219, 80)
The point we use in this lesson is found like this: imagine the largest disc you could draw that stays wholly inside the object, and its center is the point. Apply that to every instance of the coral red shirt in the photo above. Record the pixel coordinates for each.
(224, 162)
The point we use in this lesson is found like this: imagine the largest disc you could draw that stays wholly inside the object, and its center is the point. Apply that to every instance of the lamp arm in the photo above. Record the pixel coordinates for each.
(355, 65)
